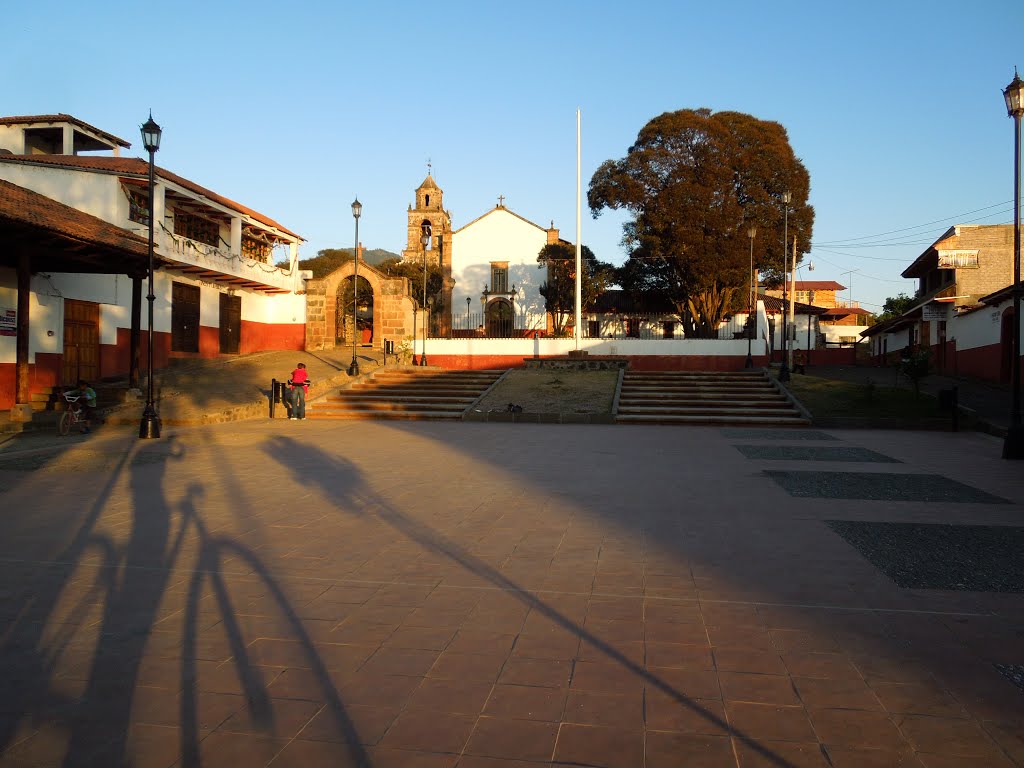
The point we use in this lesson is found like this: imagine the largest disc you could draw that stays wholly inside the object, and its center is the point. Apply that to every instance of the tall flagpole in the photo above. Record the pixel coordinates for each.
(579, 246)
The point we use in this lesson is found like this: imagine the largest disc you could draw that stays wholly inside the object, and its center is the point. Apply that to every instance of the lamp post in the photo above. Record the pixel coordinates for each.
(357, 211)
(149, 427)
(426, 313)
(751, 233)
(784, 368)
(1013, 447)
(468, 323)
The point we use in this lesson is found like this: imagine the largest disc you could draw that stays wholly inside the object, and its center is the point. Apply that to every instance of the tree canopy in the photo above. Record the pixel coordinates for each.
(329, 259)
(694, 182)
(895, 306)
(559, 290)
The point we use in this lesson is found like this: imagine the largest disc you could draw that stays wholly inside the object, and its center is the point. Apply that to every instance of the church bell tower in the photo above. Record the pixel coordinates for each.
(429, 209)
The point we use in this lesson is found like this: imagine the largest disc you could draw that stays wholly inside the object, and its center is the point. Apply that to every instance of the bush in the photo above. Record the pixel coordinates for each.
(915, 367)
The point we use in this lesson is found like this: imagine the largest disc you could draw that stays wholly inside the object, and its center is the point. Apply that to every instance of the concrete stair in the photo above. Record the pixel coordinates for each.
(406, 393)
(743, 398)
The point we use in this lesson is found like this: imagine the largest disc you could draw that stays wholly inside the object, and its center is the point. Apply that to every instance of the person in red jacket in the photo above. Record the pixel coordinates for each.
(299, 383)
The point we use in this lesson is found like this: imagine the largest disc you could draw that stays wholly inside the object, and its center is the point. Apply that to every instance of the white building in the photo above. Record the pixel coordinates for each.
(491, 262)
(216, 284)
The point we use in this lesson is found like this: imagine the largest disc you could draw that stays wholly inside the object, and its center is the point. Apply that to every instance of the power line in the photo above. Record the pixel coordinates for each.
(918, 226)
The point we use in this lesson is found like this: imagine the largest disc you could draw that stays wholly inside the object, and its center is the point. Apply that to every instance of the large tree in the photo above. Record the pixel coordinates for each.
(559, 290)
(694, 182)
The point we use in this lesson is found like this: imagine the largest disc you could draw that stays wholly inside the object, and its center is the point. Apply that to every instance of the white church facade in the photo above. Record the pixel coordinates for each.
(493, 279)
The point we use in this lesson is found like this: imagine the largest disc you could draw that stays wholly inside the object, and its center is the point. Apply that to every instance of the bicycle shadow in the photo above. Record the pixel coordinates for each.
(338, 479)
(66, 671)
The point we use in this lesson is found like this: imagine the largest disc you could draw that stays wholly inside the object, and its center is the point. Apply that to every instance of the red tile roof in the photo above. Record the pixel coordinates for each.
(137, 167)
(25, 207)
(62, 118)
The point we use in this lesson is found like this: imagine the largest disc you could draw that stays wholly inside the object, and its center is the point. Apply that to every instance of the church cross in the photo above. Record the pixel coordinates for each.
(429, 166)
(501, 201)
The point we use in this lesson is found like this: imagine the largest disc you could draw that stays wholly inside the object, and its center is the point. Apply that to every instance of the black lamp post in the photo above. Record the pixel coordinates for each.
(749, 363)
(426, 229)
(357, 211)
(468, 323)
(1013, 447)
(784, 368)
(150, 424)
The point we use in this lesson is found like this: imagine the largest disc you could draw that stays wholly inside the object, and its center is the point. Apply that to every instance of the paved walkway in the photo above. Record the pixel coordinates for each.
(506, 596)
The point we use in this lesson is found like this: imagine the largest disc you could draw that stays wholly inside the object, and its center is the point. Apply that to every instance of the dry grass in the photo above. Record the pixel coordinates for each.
(548, 391)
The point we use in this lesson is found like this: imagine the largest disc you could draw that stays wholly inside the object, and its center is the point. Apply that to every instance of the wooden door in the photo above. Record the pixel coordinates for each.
(81, 342)
(230, 323)
(184, 318)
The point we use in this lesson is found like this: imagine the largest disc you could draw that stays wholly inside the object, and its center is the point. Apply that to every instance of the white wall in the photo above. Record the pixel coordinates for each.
(545, 347)
(98, 194)
(498, 236)
(835, 333)
(977, 329)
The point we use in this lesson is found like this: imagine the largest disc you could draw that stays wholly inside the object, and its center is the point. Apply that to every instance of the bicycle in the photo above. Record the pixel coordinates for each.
(73, 414)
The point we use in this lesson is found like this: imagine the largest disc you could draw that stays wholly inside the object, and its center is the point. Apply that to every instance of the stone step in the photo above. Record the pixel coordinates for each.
(406, 394)
(388, 405)
(385, 415)
(669, 404)
(713, 419)
(411, 394)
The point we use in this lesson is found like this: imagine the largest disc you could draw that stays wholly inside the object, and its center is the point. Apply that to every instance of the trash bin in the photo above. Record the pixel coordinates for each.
(278, 394)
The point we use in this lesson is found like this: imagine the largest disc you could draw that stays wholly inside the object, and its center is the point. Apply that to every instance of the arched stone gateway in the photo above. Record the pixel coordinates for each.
(392, 306)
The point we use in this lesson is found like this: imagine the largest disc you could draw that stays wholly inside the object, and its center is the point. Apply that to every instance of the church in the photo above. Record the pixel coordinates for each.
(492, 277)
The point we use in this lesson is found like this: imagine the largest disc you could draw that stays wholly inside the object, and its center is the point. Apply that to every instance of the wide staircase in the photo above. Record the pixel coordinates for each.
(406, 393)
(685, 397)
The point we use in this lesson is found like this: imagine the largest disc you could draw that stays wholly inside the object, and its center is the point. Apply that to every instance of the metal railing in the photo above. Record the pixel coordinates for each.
(647, 327)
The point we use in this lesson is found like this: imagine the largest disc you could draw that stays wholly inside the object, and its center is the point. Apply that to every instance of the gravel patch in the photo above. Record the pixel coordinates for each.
(776, 434)
(813, 453)
(879, 486)
(553, 392)
(975, 558)
(1013, 672)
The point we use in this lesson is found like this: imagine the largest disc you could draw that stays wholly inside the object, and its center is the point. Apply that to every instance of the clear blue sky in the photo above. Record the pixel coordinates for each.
(295, 108)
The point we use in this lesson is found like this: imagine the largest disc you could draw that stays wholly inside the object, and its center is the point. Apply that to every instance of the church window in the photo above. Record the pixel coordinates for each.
(499, 278)
(426, 202)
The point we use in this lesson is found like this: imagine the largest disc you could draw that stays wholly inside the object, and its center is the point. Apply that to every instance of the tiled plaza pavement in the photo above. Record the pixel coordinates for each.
(506, 596)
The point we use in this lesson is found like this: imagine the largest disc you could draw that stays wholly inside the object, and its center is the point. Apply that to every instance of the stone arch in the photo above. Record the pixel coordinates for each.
(392, 306)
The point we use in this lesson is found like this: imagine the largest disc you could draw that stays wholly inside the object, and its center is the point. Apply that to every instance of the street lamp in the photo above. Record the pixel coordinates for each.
(1013, 447)
(357, 211)
(751, 233)
(150, 425)
(426, 313)
(784, 368)
(468, 323)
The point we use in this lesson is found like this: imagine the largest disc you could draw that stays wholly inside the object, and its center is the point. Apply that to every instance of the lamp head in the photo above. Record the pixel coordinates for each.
(1014, 96)
(151, 134)
(786, 197)
(357, 208)
(751, 232)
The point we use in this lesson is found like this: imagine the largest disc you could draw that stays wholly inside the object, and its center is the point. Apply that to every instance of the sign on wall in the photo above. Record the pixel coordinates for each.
(958, 259)
(8, 322)
(933, 310)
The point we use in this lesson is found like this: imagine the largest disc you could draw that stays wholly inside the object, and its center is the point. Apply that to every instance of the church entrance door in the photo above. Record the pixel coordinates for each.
(499, 319)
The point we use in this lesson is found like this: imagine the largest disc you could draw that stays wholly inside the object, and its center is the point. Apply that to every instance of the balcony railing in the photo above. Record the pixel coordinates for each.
(193, 252)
